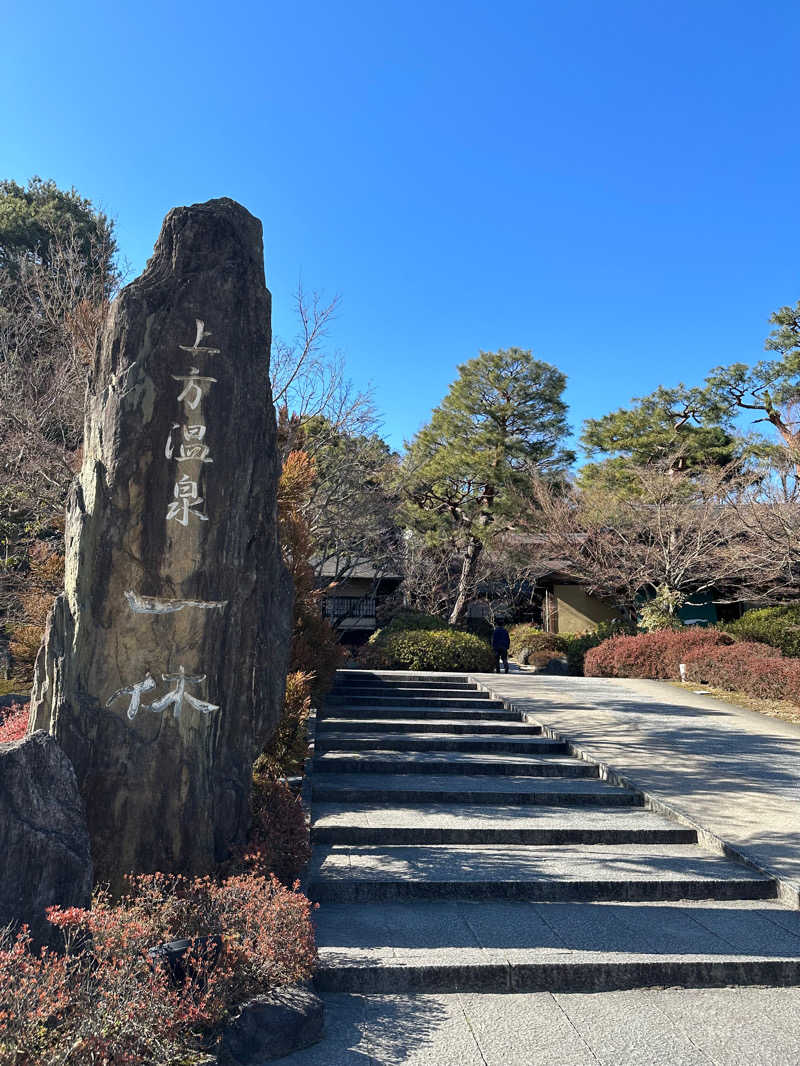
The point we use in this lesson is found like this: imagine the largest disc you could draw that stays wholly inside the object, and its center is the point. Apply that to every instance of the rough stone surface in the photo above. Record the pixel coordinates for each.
(43, 837)
(173, 562)
(271, 1026)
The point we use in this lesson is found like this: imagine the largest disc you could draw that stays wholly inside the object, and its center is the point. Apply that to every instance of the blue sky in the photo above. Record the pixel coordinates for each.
(613, 185)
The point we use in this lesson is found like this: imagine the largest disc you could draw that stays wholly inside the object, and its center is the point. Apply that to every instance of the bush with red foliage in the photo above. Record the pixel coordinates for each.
(103, 1002)
(13, 722)
(756, 669)
(279, 838)
(651, 655)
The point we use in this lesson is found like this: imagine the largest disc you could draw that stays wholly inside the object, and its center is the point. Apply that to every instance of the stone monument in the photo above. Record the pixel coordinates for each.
(163, 666)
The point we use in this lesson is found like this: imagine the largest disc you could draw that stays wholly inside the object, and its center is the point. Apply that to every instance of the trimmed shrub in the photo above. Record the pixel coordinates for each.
(534, 639)
(430, 649)
(579, 643)
(649, 655)
(777, 626)
(755, 669)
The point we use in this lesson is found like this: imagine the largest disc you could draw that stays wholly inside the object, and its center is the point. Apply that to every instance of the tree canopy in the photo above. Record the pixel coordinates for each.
(502, 419)
(769, 390)
(674, 423)
(35, 217)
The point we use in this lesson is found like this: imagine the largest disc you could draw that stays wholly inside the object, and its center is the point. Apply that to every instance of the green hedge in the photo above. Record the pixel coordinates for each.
(777, 626)
(430, 649)
(573, 645)
(528, 636)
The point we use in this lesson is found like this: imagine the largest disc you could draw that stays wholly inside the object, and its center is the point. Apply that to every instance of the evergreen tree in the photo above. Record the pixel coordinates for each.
(38, 220)
(768, 391)
(671, 425)
(502, 420)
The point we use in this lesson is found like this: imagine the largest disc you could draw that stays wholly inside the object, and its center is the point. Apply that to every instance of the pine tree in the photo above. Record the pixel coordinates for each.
(502, 419)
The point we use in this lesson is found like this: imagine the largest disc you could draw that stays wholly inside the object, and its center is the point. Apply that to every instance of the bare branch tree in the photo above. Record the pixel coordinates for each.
(674, 534)
(309, 382)
(51, 315)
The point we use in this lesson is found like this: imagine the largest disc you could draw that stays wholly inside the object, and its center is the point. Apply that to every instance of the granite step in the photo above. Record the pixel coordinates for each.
(381, 761)
(462, 714)
(454, 946)
(393, 824)
(449, 691)
(469, 789)
(632, 872)
(406, 700)
(402, 677)
(477, 726)
(328, 740)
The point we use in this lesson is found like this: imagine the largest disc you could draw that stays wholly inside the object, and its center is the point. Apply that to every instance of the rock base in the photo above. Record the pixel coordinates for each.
(272, 1026)
(44, 841)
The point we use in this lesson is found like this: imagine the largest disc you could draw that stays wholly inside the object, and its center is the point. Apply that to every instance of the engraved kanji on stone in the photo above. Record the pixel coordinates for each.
(135, 693)
(201, 334)
(192, 446)
(185, 503)
(175, 697)
(194, 387)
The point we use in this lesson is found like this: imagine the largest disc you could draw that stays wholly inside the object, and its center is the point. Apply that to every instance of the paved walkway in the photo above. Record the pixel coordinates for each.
(664, 1027)
(459, 852)
(734, 771)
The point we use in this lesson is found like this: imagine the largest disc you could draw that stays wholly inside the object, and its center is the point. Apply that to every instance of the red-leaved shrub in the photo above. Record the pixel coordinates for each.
(652, 655)
(13, 722)
(104, 1003)
(279, 838)
(756, 669)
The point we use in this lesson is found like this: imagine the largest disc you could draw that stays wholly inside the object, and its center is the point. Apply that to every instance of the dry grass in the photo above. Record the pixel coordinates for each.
(783, 709)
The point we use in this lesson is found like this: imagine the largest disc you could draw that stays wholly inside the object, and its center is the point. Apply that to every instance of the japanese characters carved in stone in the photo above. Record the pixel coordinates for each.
(163, 665)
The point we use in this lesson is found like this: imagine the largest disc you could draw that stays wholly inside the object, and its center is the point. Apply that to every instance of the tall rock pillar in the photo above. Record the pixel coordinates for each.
(164, 660)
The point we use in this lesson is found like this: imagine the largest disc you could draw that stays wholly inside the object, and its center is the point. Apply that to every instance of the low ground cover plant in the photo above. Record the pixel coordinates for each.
(13, 722)
(106, 1002)
(428, 649)
(777, 626)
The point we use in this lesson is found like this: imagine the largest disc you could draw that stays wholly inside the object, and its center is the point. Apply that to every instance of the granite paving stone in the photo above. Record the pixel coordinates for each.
(508, 906)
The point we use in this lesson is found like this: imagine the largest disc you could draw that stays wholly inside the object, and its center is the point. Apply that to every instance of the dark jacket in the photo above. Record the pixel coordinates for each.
(500, 639)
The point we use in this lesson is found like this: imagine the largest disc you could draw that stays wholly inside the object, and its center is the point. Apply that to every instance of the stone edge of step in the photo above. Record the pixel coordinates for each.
(569, 976)
(788, 891)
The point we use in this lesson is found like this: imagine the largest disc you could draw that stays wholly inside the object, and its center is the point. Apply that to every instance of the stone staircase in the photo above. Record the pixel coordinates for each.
(457, 849)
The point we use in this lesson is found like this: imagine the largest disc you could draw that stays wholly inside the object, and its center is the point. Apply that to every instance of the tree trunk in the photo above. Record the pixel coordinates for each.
(468, 565)
(790, 438)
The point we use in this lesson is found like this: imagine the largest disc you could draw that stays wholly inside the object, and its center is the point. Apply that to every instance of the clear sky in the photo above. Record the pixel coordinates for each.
(612, 184)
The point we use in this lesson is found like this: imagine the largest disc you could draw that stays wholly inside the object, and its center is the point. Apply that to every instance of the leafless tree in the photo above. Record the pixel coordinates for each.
(674, 534)
(352, 508)
(309, 381)
(51, 314)
(502, 582)
(767, 509)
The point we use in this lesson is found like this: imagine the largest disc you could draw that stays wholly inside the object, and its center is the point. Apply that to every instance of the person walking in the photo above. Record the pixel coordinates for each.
(500, 645)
